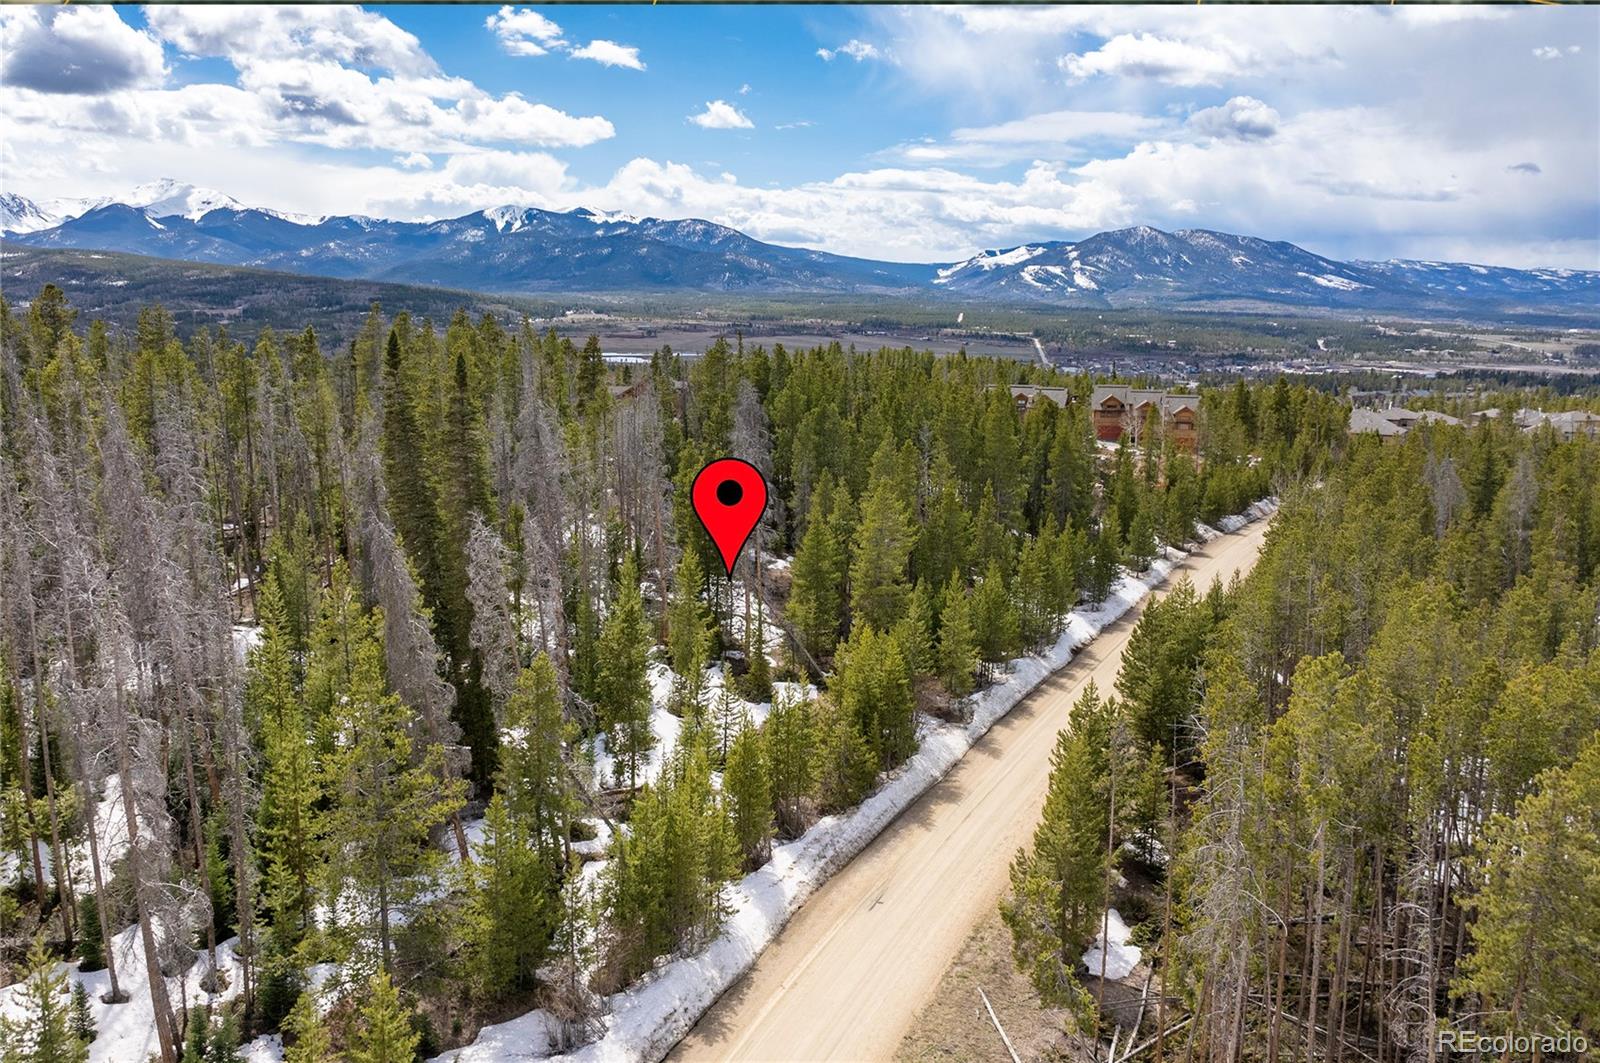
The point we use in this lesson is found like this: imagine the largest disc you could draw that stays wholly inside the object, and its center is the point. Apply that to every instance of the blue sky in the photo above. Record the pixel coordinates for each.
(910, 133)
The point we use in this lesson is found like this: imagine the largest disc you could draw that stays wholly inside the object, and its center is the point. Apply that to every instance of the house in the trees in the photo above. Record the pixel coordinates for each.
(1118, 409)
(1029, 395)
(1394, 421)
(1364, 421)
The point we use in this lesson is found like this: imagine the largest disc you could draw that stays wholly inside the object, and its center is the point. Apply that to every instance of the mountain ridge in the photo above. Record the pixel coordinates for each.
(518, 248)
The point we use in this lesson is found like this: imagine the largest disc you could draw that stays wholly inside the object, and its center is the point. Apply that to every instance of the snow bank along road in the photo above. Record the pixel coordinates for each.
(855, 964)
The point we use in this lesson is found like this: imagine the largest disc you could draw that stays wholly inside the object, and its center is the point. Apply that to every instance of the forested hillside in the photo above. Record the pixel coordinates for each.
(369, 695)
(1376, 764)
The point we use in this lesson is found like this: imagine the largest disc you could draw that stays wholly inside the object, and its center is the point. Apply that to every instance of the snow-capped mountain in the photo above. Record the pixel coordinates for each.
(159, 198)
(516, 248)
(1144, 265)
(21, 215)
(506, 248)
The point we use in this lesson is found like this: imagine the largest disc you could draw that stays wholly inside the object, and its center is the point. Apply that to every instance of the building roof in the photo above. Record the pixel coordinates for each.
(1368, 421)
(1402, 416)
(1059, 396)
(1167, 402)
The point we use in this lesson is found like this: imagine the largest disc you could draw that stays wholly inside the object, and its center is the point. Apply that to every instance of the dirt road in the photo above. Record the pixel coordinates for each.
(845, 977)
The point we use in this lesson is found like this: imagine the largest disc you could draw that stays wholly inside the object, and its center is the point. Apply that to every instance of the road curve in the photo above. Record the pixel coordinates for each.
(845, 977)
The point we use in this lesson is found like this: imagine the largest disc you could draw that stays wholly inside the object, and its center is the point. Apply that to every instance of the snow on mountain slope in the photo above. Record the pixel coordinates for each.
(524, 248)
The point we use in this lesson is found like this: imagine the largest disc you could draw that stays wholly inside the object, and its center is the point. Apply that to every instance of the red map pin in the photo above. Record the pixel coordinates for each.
(729, 496)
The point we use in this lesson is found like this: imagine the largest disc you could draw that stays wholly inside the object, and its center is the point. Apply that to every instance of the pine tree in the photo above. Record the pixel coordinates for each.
(816, 594)
(689, 635)
(1158, 678)
(461, 477)
(1141, 539)
(664, 880)
(508, 919)
(384, 1033)
(914, 631)
(533, 772)
(882, 546)
(623, 685)
(290, 793)
(310, 1041)
(994, 617)
(1532, 965)
(196, 1035)
(44, 1033)
(386, 799)
(688, 620)
(81, 1020)
(748, 789)
(873, 688)
(1103, 557)
(788, 736)
(958, 643)
(223, 1046)
(1054, 904)
(411, 497)
(1035, 592)
(845, 765)
(727, 719)
(91, 944)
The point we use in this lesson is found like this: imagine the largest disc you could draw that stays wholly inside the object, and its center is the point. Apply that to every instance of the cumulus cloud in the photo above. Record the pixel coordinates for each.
(720, 114)
(1145, 55)
(524, 31)
(246, 34)
(340, 78)
(80, 50)
(1242, 118)
(414, 161)
(854, 49)
(610, 53)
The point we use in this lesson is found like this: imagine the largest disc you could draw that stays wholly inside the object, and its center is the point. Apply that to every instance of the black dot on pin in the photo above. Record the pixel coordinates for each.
(729, 492)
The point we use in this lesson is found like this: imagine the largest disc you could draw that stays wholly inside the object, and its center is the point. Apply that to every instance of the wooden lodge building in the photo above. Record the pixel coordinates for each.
(1118, 409)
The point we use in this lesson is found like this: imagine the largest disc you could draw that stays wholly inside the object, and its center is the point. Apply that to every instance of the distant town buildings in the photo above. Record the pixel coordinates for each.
(1394, 422)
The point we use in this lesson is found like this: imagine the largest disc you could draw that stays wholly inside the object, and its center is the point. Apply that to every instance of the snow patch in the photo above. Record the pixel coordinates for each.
(1121, 957)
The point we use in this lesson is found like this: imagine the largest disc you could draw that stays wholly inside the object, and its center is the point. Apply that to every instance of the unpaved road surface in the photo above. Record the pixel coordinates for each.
(853, 967)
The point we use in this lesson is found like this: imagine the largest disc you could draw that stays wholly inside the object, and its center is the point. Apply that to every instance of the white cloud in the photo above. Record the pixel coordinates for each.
(524, 31)
(720, 114)
(339, 78)
(1242, 118)
(414, 161)
(856, 49)
(610, 53)
(1144, 55)
(81, 50)
(744, 90)
(1052, 134)
(245, 34)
